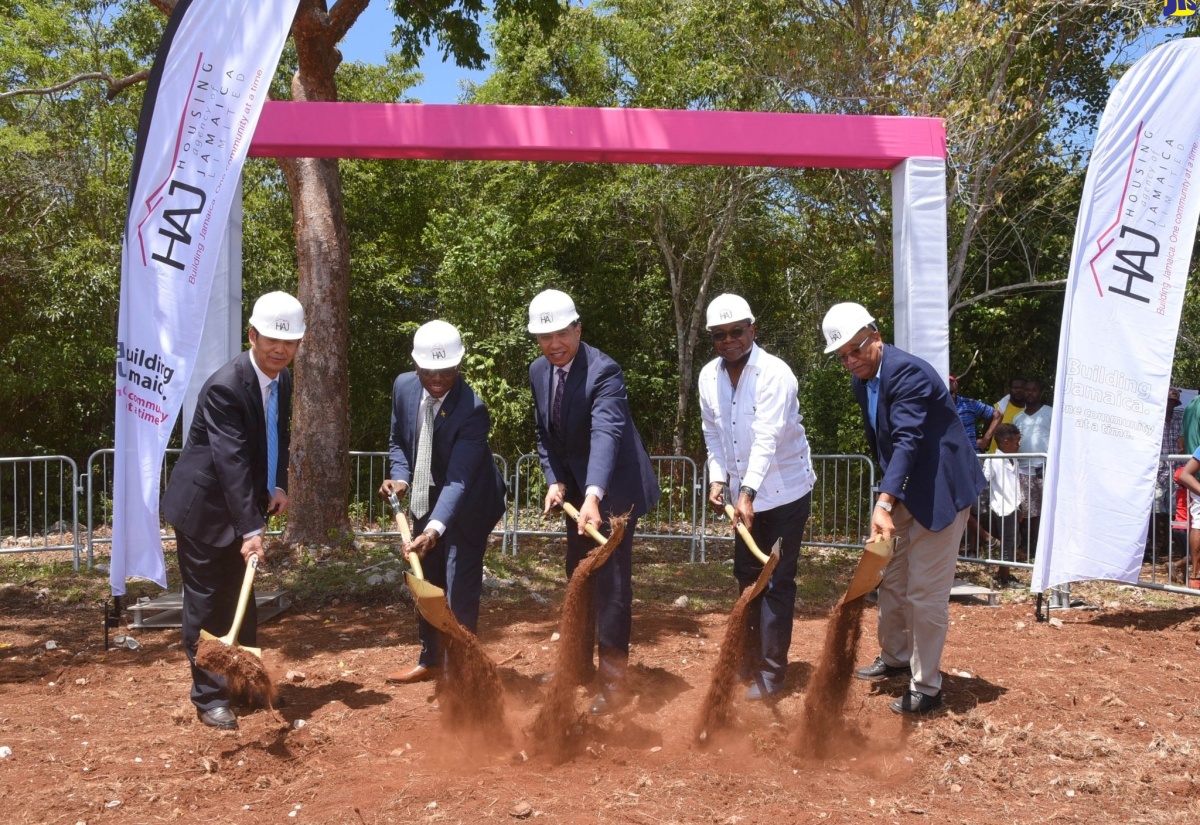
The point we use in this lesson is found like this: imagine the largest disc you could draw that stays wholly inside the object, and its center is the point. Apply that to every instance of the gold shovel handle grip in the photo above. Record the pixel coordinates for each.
(745, 534)
(596, 535)
(243, 599)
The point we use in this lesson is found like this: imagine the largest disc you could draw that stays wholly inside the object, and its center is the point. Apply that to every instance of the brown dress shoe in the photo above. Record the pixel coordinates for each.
(420, 673)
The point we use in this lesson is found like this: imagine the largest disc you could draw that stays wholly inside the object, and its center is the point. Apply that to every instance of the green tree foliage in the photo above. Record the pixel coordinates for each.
(64, 168)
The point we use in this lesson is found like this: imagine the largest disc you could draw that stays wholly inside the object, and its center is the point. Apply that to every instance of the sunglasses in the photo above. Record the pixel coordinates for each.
(445, 373)
(719, 335)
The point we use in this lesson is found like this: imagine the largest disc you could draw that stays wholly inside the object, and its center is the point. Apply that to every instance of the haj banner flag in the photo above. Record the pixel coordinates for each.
(203, 100)
(1129, 264)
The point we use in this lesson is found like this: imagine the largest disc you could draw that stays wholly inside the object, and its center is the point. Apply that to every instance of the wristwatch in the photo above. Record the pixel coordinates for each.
(749, 492)
(431, 534)
(885, 506)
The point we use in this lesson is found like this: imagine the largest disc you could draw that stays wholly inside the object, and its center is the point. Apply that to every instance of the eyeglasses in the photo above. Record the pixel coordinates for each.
(443, 373)
(719, 335)
(853, 352)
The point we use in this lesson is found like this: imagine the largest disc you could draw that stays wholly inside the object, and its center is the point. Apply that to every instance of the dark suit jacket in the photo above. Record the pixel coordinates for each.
(468, 491)
(600, 444)
(218, 489)
(919, 441)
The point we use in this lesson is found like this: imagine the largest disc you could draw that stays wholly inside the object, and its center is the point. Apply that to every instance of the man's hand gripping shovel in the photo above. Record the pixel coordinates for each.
(768, 562)
(431, 599)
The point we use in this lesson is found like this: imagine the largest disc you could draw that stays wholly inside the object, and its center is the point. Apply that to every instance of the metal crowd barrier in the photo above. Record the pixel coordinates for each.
(841, 504)
(994, 537)
(40, 510)
(38, 494)
(371, 516)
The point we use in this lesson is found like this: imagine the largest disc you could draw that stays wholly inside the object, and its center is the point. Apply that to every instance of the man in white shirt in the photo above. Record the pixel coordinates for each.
(1034, 424)
(758, 451)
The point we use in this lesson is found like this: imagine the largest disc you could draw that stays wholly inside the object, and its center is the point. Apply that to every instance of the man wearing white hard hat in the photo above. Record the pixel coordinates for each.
(232, 475)
(593, 457)
(440, 458)
(931, 477)
(758, 452)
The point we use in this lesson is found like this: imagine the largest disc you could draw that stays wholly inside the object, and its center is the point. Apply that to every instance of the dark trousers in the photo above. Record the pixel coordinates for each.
(769, 627)
(455, 564)
(612, 589)
(212, 581)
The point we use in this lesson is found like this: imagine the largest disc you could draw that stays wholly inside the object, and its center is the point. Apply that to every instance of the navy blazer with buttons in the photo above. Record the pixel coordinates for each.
(600, 444)
(217, 491)
(468, 491)
(919, 441)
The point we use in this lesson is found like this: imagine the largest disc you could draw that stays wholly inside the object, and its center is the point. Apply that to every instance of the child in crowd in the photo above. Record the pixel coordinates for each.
(1004, 499)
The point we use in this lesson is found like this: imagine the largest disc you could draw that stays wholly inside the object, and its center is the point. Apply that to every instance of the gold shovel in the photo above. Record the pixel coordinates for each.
(239, 614)
(768, 562)
(876, 555)
(431, 599)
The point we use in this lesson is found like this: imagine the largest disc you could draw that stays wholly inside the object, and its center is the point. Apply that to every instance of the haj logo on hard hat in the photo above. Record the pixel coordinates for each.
(437, 353)
(546, 317)
(1179, 8)
(726, 315)
(281, 325)
(834, 335)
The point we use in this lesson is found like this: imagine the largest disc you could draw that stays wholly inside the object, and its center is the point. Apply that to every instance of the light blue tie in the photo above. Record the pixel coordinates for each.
(272, 434)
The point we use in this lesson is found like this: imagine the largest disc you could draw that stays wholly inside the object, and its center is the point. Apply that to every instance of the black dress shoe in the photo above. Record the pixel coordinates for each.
(218, 717)
(879, 670)
(916, 703)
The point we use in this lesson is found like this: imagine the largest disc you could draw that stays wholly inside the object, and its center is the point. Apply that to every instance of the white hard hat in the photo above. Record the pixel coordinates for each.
(437, 345)
(842, 322)
(278, 315)
(727, 308)
(551, 311)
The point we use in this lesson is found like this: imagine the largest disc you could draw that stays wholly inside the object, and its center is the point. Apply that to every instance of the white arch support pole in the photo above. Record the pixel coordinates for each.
(919, 245)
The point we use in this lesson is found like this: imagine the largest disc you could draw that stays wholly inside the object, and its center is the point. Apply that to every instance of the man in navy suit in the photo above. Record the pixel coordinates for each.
(593, 457)
(231, 476)
(930, 479)
(440, 456)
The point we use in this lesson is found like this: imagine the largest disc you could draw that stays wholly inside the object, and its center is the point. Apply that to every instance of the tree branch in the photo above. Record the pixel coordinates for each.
(1029, 286)
(115, 85)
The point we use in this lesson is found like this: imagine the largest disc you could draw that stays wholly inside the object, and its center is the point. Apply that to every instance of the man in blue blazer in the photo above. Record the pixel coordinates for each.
(223, 487)
(593, 457)
(930, 479)
(456, 493)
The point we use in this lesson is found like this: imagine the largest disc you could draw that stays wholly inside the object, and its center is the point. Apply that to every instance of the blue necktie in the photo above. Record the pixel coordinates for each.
(556, 407)
(872, 398)
(272, 434)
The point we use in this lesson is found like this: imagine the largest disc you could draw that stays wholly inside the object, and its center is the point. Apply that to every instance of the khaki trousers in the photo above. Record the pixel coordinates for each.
(914, 597)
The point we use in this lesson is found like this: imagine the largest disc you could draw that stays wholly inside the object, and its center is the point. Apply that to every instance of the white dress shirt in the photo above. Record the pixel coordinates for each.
(753, 433)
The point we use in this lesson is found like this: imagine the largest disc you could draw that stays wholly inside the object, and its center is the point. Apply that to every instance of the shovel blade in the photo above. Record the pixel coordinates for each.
(204, 634)
(875, 557)
(768, 568)
(432, 604)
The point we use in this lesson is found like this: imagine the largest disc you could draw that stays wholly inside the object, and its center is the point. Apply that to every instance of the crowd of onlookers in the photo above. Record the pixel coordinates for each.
(1004, 525)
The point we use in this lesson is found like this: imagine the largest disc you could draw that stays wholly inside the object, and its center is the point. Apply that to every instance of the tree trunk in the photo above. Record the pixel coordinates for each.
(319, 477)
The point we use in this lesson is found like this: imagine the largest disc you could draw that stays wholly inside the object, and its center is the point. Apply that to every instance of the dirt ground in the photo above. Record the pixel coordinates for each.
(1089, 718)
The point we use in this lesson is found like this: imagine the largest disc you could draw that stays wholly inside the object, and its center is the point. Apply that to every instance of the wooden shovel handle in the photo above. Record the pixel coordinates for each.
(745, 534)
(243, 600)
(596, 535)
(414, 560)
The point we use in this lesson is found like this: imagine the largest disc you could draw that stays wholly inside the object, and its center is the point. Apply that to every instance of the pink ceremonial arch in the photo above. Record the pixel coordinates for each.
(914, 148)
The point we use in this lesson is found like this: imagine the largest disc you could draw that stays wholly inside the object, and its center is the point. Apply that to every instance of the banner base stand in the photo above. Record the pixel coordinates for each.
(1059, 598)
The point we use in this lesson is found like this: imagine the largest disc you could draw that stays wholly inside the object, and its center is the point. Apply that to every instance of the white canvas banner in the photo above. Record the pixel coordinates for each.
(205, 94)
(1129, 264)
(922, 324)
